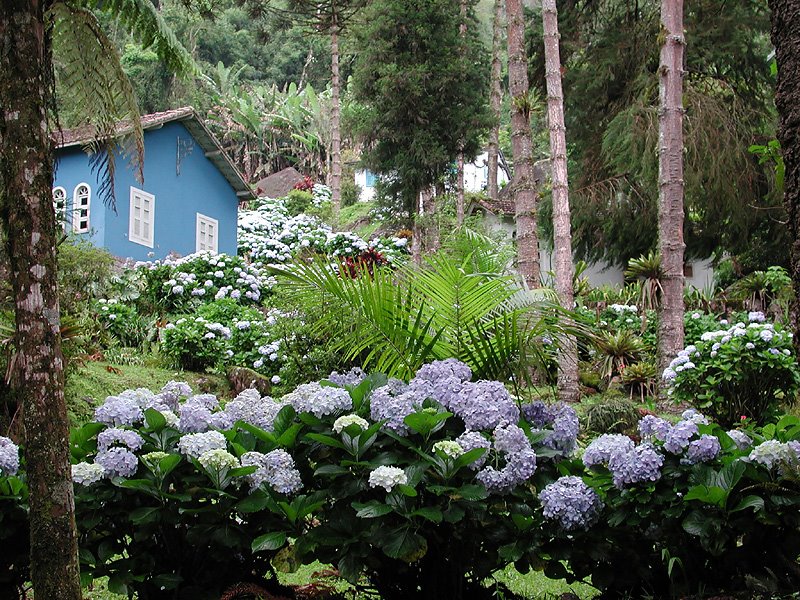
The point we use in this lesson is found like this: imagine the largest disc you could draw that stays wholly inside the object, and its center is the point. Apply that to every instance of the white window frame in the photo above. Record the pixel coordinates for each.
(78, 208)
(206, 220)
(61, 215)
(151, 225)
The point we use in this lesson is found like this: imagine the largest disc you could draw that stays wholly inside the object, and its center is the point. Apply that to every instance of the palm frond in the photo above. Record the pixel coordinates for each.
(89, 66)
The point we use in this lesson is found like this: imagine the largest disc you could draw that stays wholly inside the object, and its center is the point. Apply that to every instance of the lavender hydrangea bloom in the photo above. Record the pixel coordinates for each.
(740, 438)
(195, 444)
(520, 458)
(319, 400)
(469, 440)
(351, 378)
(484, 405)
(449, 368)
(276, 469)
(642, 463)
(560, 419)
(445, 391)
(654, 427)
(253, 409)
(118, 411)
(142, 396)
(571, 502)
(9, 457)
(600, 451)
(126, 437)
(117, 462)
(195, 416)
(394, 402)
(510, 439)
(703, 450)
(679, 435)
(772, 453)
(694, 416)
(172, 393)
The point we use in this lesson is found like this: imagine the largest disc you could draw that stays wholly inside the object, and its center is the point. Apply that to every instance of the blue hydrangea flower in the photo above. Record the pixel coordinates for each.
(118, 411)
(319, 400)
(601, 449)
(520, 460)
(679, 435)
(173, 392)
(571, 502)
(702, 450)
(9, 457)
(484, 405)
(740, 438)
(641, 464)
(195, 444)
(126, 437)
(652, 427)
(694, 416)
(276, 469)
(469, 440)
(351, 378)
(559, 421)
(195, 416)
(393, 402)
(117, 462)
(449, 368)
(252, 408)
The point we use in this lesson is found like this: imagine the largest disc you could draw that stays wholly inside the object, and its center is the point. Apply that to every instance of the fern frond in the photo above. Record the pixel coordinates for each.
(141, 19)
(88, 64)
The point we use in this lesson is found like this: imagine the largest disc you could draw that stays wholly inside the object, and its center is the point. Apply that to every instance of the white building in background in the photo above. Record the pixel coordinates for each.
(476, 177)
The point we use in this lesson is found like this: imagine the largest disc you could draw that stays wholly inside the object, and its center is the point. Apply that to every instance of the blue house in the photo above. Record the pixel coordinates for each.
(187, 203)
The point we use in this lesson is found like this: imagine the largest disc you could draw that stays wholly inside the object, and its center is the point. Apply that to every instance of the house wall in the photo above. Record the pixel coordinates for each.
(184, 183)
(599, 274)
(72, 169)
(476, 174)
(367, 191)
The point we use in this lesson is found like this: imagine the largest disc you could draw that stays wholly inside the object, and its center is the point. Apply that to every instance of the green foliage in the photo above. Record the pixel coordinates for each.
(739, 372)
(84, 275)
(298, 201)
(351, 192)
(422, 87)
(609, 413)
(404, 318)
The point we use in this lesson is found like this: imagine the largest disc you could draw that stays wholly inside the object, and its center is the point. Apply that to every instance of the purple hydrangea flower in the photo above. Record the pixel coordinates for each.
(703, 450)
(253, 409)
(173, 392)
(319, 400)
(561, 421)
(600, 451)
(351, 378)
(449, 368)
(679, 435)
(9, 457)
(694, 416)
(469, 440)
(394, 402)
(484, 405)
(195, 416)
(642, 463)
(276, 469)
(117, 462)
(740, 438)
(119, 411)
(195, 444)
(108, 437)
(571, 502)
(654, 427)
(513, 444)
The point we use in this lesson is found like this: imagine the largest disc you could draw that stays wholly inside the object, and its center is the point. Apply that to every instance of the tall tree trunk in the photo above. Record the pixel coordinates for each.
(416, 229)
(462, 28)
(522, 147)
(336, 140)
(26, 205)
(496, 98)
(568, 387)
(670, 182)
(786, 39)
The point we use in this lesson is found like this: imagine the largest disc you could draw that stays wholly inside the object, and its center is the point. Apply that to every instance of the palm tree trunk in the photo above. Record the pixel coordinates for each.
(786, 39)
(522, 147)
(462, 28)
(568, 388)
(26, 206)
(670, 181)
(336, 140)
(495, 99)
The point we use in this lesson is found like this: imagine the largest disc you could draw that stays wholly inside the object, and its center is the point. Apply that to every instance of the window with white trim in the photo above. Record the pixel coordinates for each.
(60, 206)
(81, 207)
(207, 234)
(142, 217)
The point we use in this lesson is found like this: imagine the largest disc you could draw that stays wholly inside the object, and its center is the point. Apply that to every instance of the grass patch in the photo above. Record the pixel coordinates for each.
(349, 215)
(89, 385)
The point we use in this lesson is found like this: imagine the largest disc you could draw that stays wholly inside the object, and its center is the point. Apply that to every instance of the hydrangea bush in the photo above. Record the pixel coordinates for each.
(745, 370)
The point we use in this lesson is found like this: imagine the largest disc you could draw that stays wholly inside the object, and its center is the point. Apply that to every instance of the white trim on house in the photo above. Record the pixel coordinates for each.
(81, 208)
(60, 205)
(141, 223)
(207, 234)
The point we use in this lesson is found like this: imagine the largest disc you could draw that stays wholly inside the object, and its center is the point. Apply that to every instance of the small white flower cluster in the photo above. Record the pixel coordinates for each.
(218, 459)
(622, 309)
(346, 420)
(319, 400)
(449, 448)
(197, 444)
(387, 477)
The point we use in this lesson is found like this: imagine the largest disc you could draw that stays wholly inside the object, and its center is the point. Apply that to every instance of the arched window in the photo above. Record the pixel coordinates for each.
(60, 205)
(81, 205)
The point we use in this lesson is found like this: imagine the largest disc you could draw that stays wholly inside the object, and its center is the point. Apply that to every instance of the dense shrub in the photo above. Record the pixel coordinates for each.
(84, 274)
(298, 201)
(742, 371)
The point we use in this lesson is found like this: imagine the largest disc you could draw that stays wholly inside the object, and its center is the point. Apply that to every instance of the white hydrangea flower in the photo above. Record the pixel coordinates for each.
(387, 477)
(346, 420)
(218, 460)
(87, 473)
(449, 448)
